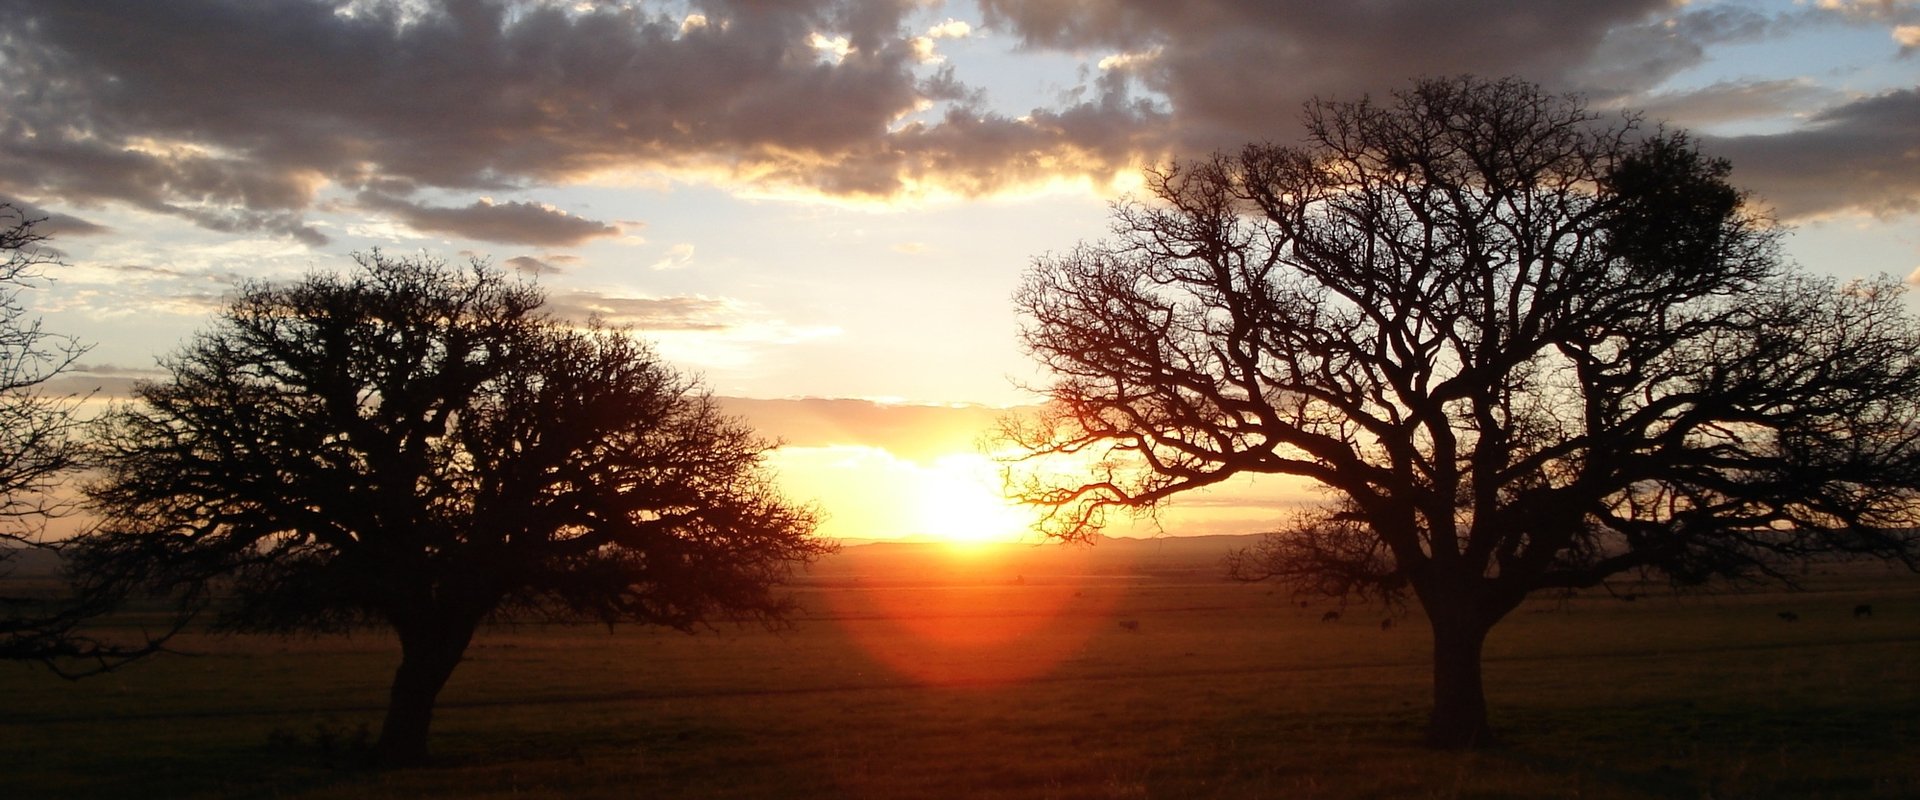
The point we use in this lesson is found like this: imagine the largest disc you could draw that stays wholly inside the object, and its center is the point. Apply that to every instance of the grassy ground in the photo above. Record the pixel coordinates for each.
(990, 678)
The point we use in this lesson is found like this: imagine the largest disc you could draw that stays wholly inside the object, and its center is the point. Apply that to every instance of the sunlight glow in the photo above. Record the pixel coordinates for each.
(961, 501)
(835, 48)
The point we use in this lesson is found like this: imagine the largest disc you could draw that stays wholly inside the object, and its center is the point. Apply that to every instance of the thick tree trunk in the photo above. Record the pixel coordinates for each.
(427, 659)
(1459, 718)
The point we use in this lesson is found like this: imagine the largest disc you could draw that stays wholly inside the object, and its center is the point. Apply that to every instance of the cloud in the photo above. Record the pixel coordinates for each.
(528, 265)
(918, 432)
(50, 224)
(102, 382)
(1635, 57)
(236, 116)
(543, 264)
(43, 154)
(1129, 61)
(126, 281)
(1858, 156)
(950, 29)
(926, 48)
(511, 222)
(110, 369)
(679, 256)
(138, 272)
(1870, 10)
(94, 388)
(1233, 71)
(646, 313)
(1737, 101)
(1908, 37)
(714, 333)
(1902, 18)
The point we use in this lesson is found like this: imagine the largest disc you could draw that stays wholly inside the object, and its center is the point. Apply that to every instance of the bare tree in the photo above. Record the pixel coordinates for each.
(40, 449)
(1523, 348)
(38, 445)
(417, 446)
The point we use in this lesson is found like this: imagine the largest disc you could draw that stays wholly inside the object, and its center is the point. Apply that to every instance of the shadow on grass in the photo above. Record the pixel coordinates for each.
(1690, 749)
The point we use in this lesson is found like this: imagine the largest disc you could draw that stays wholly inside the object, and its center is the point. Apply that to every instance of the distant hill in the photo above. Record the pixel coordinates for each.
(1196, 558)
(28, 562)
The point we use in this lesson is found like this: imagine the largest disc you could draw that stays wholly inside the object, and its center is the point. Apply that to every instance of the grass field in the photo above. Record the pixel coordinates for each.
(1127, 670)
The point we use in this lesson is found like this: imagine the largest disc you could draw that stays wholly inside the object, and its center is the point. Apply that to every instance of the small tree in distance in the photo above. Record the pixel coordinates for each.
(417, 446)
(1523, 349)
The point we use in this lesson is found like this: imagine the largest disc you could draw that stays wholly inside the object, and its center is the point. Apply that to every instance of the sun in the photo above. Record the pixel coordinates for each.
(961, 501)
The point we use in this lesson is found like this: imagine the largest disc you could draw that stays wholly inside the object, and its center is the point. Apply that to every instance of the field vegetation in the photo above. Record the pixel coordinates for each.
(1126, 669)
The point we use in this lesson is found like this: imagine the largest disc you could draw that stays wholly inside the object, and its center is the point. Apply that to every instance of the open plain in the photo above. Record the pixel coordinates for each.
(1126, 669)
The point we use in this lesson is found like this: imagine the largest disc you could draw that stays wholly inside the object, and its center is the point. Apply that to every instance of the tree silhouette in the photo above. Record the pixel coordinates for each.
(417, 446)
(1522, 347)
(39, 449)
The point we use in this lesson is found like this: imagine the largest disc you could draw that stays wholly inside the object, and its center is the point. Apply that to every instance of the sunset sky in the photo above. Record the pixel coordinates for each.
(823, 206)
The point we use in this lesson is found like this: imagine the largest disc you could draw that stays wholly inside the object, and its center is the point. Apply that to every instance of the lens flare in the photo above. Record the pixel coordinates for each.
(981, 616)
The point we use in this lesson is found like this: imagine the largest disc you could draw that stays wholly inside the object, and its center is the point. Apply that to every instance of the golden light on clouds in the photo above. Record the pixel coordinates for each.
(835, 48)
(1129, 60)
(950, 29)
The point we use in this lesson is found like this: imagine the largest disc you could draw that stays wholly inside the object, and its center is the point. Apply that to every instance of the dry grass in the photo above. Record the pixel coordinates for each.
(987, 680)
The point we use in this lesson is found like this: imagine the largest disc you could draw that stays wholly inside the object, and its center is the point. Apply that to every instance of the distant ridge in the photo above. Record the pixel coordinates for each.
(28, 562)
(925, 560)
(1204, 540)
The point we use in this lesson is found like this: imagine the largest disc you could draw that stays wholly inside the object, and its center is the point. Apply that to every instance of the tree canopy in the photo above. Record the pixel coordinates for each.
(1522, 346)
(418, 446)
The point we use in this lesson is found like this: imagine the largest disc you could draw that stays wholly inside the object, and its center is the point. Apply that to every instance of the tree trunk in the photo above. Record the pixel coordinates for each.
(427, 659)
(1459, 720)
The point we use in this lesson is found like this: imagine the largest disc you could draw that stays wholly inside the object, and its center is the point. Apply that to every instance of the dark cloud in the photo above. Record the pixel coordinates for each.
(1633, 58)
(1238, 70)
(512, 222)
(528, 265)
(52, 224)
(235, 115)
(1859, 156)
(231, 114)
(1737, 101)
(43, 154)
